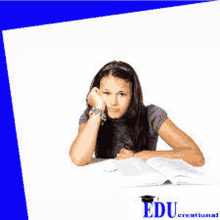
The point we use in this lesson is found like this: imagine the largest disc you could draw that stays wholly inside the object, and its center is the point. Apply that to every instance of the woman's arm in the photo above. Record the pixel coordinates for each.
(183, 146)
(83, 147)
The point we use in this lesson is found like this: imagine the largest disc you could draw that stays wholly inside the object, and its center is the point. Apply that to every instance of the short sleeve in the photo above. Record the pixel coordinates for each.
(157, 116)
(83, 118)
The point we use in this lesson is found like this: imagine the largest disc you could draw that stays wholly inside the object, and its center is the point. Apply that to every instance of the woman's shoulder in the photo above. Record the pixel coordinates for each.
(155, 116)
(84, 117)
(153, 109)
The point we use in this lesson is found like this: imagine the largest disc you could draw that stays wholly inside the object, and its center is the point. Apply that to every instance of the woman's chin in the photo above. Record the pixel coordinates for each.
(114, 115)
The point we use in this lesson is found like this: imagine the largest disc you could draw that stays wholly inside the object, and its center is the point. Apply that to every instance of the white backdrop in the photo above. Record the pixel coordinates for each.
(175, 52)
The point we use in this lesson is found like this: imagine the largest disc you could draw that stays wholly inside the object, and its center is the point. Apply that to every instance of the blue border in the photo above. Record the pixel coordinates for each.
(14, 15)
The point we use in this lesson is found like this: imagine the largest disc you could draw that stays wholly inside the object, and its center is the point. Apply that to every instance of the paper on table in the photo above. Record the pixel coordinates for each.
(173, 167)
(109, 165)
(135, 172)
(179, 172)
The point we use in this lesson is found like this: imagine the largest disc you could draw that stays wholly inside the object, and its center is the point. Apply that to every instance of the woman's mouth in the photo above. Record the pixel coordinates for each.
(113, 110)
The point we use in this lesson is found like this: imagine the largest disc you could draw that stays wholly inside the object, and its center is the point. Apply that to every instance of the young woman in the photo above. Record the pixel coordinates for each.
(116, 123)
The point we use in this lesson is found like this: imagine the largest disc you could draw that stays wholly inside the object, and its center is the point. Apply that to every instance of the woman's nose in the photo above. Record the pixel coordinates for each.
(114, 100)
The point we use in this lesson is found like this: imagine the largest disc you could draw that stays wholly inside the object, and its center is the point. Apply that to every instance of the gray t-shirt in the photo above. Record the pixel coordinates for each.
(155, 116)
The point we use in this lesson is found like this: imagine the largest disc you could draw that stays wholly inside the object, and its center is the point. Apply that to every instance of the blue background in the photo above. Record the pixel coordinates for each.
(17, 14)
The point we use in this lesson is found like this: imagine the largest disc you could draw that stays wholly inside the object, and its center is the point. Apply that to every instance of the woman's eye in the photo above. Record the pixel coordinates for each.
(122, 94)
(107, 93)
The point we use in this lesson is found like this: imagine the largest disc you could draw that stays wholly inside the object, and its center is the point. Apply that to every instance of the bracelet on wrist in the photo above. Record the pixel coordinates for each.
(100, 112)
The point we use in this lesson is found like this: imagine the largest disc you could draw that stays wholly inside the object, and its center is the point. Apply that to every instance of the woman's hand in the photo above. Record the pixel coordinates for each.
(95, 100)
(144, 155)
(124, 154)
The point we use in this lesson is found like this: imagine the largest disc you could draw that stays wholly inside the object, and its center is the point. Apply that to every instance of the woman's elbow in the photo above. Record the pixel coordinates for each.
(79, 163)
(76, 161)
(201, 162)
(198, 163)
(198, 160)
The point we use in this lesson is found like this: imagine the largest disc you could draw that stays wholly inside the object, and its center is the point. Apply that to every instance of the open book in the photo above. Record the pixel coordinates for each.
(155, 171)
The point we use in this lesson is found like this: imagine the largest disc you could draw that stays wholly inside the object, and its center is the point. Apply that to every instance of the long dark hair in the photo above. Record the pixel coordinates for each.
(134, 117)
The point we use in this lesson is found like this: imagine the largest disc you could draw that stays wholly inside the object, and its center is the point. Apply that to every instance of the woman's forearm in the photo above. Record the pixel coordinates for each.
(190, 156)
(83, 146)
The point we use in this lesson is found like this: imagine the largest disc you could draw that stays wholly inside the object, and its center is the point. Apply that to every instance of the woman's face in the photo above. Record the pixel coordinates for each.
(117, 95)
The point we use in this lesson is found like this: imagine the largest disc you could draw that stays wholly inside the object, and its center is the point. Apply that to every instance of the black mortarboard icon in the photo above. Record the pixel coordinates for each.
(147, 198)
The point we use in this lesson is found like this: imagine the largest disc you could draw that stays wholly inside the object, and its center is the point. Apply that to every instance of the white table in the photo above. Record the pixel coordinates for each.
(89, 193)
(189, 198)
